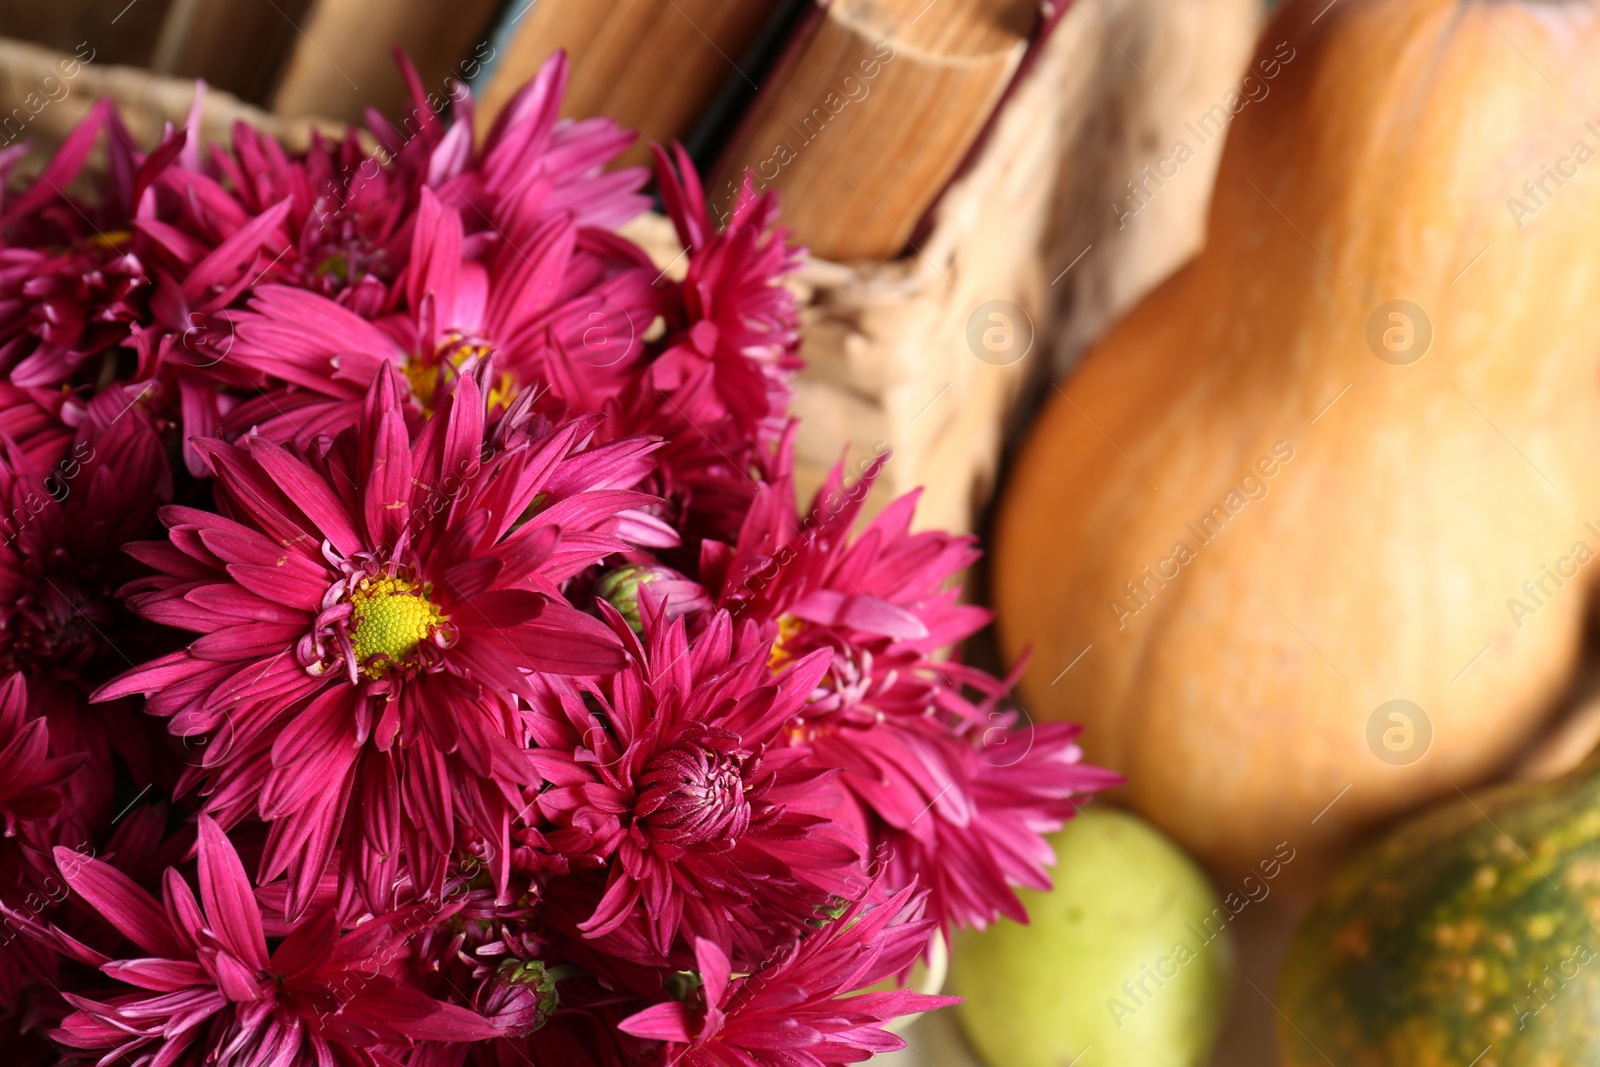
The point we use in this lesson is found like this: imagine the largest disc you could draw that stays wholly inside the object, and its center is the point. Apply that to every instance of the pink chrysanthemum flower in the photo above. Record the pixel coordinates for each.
(31, 792)
(345, 231)
(532, 166)
(526, 305)
(34, 421)
(516, 259)
(205, 990)
(173, 240)
(885, 592)
(342, 216)
(68, 511)
(65, 513)
(71, 285)
(30, 779)
(511, 963)
(735, 320)
(675, 771)
(371, 611)
(955, 793)
(965, 812)
(91, 290)
(717, 390)
(796, 1011)
(708, 470)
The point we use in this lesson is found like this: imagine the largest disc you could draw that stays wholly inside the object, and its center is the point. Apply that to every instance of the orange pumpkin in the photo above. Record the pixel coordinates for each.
(1348, 455)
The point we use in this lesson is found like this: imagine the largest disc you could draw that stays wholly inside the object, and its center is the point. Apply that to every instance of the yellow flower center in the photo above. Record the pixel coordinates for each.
(429, 377)
(779, 657)
(113, 240)
(392, 617)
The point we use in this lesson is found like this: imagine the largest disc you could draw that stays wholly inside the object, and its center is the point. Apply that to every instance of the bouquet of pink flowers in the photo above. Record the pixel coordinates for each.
(414, 652)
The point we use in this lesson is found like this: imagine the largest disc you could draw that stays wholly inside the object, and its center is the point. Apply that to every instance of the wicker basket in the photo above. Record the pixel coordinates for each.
(899, 353)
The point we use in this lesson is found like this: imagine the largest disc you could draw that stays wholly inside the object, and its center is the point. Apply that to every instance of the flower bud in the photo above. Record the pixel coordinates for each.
(519, 997)
(679, 595)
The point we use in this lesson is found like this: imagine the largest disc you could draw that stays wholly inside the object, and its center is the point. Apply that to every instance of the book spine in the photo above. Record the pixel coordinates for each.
(1051, 14)
(805, 28)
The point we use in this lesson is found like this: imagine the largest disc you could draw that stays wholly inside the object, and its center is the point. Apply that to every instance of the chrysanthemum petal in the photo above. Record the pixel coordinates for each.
(226, 895)
(120, 899)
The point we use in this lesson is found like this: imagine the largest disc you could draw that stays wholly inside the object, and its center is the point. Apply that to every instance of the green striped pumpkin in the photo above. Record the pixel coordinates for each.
(1470, 936)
